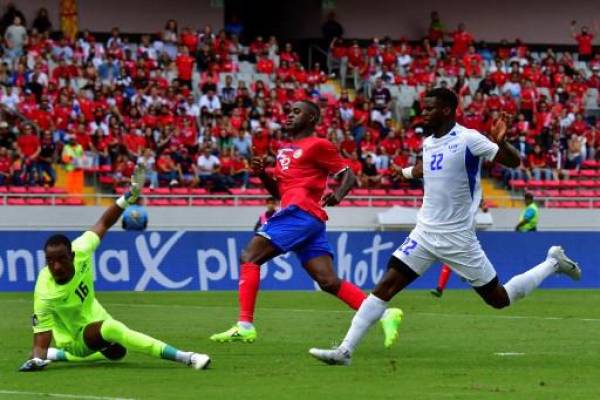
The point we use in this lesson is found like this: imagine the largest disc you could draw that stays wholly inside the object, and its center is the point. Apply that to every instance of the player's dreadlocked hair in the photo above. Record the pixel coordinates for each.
(315, 108)
(445, 96)
(57, 240)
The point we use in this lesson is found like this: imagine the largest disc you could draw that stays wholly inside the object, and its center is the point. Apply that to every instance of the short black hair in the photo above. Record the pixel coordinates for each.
(528, 195)
(315, 108)
(446, 96)
(57, 240)
(270, 200)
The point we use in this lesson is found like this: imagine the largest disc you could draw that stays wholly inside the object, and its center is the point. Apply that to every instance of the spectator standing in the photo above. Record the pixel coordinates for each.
(436, 28)
(169, 38)
(331, 28)
(16, 38)
(380, 96)
(584, 41)
(42, 23)
(46, 159)
(72, 158)
(29, 148)
(461, 40)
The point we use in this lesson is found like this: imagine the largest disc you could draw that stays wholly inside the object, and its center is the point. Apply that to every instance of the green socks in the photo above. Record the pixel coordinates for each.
(114, 331)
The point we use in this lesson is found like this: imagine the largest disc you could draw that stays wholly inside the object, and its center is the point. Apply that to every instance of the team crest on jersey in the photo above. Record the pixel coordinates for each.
(284, 159)
(298, 154)
(453, 147)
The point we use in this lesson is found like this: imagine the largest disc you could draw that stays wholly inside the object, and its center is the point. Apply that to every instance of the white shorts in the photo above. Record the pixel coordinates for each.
(461, 251)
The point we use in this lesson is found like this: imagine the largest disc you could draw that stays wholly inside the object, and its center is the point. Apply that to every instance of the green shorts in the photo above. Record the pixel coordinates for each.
(76, 347)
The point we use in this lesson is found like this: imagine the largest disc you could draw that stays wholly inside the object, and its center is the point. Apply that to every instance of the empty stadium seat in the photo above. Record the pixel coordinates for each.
(360, 192)
(178, 202)
(180, 190)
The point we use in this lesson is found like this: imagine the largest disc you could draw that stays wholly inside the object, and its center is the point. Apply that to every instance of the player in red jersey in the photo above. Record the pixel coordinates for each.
(300, 180)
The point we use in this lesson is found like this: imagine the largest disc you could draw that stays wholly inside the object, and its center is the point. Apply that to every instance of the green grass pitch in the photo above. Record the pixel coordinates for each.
(447, 350)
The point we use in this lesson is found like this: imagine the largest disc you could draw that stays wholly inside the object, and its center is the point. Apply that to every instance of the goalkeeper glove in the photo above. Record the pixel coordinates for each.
(137, 183)
(35, 364)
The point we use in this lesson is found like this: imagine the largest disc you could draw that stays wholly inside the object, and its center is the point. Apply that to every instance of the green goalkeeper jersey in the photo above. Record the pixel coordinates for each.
(67, 309)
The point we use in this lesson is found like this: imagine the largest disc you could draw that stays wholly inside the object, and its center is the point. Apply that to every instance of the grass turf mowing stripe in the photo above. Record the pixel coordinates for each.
(301, 310)
(61, 395)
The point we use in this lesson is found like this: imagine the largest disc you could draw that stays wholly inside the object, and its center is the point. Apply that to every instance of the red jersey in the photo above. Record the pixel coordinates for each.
(28, 144)
(265, 66)
(584, 43)
(301, 172)
(461, 42)
(185, 65)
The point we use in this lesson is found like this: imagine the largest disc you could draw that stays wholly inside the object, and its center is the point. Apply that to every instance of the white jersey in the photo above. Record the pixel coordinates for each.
(451, 175)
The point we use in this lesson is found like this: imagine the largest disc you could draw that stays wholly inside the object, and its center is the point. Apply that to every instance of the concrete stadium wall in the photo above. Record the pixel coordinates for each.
(244, 218)
(132, 16)
(534, 21)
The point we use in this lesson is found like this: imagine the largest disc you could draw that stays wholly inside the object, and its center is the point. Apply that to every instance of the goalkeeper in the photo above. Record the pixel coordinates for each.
(66, 309)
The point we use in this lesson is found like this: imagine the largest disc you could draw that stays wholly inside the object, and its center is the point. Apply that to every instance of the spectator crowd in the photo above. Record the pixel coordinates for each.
(193, 106)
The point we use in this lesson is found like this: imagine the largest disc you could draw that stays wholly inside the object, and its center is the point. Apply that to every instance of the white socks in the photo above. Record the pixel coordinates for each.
(183, 357)
(521, 285)
(368, 314)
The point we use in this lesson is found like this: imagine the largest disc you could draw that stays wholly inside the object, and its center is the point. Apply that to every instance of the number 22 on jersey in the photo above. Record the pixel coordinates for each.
(436, 161)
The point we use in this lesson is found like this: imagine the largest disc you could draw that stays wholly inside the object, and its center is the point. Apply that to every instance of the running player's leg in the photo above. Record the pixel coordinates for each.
(112, 338)
(316, 257)
(519, 286)
(442, 281)
(282, 233)
(464, 254)
(407, 263)
(259, 251)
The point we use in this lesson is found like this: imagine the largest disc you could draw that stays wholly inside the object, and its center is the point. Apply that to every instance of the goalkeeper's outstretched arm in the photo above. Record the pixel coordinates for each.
(113, 213)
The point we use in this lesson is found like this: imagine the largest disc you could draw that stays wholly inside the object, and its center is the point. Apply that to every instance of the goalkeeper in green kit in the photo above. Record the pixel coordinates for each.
(66, 309)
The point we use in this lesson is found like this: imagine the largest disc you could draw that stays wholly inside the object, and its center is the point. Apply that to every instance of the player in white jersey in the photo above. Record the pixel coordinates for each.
(445, 230)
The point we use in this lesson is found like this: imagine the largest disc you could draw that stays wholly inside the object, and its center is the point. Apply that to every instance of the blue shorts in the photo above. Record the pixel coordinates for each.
(293, 229)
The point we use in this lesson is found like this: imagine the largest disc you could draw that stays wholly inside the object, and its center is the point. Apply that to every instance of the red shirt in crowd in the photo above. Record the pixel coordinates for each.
(260, 142)
(301, 171)
(584, 43)
(28, 144)
(461, 42)
(265, 66)
(185, 64)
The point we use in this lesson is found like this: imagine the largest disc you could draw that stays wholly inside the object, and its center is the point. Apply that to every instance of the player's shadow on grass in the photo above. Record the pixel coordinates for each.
(106, 365)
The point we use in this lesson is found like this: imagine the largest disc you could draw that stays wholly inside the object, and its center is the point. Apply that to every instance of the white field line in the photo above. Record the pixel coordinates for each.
(60, 395)
(302, 310)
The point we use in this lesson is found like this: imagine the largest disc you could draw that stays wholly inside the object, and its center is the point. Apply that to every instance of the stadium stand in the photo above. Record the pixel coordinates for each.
(192, 109)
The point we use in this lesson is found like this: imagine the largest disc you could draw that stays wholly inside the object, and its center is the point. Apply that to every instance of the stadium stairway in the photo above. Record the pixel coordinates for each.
(499, 196)
(88, 189)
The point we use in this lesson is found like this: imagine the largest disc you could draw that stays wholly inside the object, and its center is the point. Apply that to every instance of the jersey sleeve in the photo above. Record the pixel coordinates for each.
(42, 320)
(86, 243)
(480, 146)
(327, 156)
